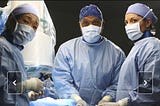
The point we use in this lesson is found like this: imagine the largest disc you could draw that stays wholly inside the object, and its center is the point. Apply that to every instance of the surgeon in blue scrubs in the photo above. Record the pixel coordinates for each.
(20, 29)
(86, 68)
(139, 78)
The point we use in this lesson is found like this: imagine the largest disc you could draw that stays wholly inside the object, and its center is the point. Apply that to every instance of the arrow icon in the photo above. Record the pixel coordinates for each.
(14, 83)
(145, 83)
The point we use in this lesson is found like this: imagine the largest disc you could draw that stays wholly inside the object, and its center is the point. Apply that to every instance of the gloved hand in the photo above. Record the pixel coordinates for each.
(34, 95)
(104, 100)
(79, 100)
(33, 84)
(109, 104)
(122, 102)
(81, 103)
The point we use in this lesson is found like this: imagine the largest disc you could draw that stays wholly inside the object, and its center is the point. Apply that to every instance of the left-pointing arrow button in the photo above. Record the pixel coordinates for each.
(14, 83)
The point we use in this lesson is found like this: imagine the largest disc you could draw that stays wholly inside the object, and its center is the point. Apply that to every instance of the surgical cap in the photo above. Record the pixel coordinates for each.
(25, 8)
(91, 10)
(142, 10)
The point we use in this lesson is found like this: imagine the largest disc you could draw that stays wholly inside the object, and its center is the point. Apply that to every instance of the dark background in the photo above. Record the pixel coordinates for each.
(65, 16)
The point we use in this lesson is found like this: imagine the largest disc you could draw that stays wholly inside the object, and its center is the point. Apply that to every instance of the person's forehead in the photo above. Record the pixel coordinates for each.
(132, 15)
(90, 18)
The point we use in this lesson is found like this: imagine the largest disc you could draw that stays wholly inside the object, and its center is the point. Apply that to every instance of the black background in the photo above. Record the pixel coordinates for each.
(65, 16)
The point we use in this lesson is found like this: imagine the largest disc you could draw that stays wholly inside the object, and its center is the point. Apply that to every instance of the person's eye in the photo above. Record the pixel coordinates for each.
(134, 20)
(26, 22)
(85, 23)
(35, 28)
(96, 22)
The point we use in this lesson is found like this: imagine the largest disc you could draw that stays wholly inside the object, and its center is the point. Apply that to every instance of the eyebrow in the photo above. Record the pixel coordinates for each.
(133, 18)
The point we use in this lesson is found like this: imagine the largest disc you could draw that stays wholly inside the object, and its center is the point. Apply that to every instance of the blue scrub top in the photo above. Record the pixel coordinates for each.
(11, 60)
(143, 57)
(88, 70)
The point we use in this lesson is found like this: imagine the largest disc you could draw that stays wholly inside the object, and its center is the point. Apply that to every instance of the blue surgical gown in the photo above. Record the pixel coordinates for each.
(88, 70)
(144, 57)
(10, 60)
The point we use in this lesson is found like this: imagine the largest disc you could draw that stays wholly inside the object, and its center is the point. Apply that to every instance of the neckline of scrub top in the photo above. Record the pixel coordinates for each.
(93, 44)
(143, 40)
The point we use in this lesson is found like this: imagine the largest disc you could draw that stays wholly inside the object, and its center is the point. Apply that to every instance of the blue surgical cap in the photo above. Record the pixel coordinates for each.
(25, 8)
(142, 10)
(91, 10)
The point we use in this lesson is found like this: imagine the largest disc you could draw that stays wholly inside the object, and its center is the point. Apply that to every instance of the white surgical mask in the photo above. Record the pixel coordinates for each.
(91, 33)
(133, 31)
(22, 34)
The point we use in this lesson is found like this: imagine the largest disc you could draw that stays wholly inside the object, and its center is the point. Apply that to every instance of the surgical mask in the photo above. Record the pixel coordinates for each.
(91, 33)
(22, 34)
(133, 30)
